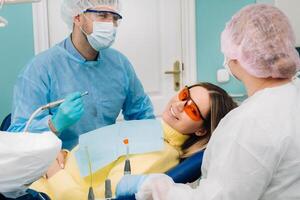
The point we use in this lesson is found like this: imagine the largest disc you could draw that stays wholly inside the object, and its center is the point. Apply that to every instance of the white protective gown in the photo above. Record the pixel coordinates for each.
(253, 154)
(24, 158)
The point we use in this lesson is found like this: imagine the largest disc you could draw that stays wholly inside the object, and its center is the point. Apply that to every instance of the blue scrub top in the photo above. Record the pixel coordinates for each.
(110, 80)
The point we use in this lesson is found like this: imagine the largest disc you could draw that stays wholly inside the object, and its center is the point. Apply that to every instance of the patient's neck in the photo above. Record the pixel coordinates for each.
(172, 136)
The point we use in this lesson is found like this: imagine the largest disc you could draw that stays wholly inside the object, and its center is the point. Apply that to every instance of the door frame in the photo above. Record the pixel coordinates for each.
(40, 26)
(188, 27)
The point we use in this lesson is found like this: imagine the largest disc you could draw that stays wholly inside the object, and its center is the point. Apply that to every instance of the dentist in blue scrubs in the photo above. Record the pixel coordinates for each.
(82, 62)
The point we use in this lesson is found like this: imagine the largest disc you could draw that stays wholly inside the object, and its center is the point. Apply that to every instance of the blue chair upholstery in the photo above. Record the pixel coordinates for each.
(126, 198)
(31, 195)
(188, 171)
(5, 123)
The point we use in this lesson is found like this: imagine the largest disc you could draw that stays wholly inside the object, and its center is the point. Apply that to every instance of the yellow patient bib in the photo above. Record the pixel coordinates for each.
(67, 184)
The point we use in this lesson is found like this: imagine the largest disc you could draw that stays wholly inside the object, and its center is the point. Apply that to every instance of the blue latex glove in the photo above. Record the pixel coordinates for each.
(69, 112)
(129, 185)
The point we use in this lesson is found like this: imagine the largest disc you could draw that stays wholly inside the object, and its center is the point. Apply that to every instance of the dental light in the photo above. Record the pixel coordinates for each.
(3, 21)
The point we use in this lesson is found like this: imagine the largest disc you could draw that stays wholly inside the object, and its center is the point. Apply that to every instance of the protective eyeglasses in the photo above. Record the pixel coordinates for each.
(101, 15)
(190, 107)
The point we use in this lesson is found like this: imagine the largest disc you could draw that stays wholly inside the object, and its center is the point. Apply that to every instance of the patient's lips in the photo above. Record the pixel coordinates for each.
(173, 113)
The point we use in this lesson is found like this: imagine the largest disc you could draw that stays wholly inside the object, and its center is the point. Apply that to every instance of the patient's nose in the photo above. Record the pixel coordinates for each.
(180, 105)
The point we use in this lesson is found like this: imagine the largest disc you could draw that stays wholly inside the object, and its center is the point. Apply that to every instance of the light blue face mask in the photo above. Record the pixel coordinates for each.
(226, 66)
(103, 35)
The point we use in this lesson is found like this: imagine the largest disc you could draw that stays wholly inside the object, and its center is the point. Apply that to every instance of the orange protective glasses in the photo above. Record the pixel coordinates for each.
(190, 107)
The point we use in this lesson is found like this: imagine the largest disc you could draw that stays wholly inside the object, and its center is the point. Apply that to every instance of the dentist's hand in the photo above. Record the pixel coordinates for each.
(69, 112)
(129, 185)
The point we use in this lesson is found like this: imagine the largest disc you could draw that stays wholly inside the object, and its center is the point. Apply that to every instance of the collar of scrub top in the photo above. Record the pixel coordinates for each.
(69, 46)
(103, 11)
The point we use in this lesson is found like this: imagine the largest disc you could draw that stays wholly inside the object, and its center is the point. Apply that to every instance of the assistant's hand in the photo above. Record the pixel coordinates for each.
(69, 112)
(58, 164)
(129, 185)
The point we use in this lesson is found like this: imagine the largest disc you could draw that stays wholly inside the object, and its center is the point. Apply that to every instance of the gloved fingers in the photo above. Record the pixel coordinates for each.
(129, 185)
(78, 101)
(76, 108)
(72, 102)
(122, 188)
(73, 96)
(76, 114)
(69, 107)
(71, 110)
(74, 117)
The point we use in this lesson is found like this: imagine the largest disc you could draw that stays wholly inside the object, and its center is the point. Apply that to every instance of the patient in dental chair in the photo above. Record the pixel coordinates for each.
(188, 121)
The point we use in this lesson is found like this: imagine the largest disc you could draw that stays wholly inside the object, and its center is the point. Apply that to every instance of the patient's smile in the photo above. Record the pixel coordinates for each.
(173, 113)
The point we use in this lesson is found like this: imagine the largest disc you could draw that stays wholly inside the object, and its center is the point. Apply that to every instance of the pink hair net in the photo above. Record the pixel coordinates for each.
(261, 38)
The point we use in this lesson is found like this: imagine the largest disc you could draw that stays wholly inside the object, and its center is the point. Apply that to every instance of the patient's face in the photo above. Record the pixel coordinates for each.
(175, 116)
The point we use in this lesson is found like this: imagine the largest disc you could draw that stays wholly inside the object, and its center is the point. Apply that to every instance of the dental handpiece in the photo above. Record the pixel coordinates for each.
(58, 102)
(45, 107)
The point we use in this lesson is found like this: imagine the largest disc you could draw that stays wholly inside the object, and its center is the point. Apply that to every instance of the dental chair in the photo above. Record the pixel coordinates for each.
(31, 195)
(5, 123)
(188, 171)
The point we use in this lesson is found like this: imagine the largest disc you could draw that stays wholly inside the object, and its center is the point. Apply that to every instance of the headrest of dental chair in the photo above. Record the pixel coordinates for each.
(5, 123)
(188, 171)
(126, 198)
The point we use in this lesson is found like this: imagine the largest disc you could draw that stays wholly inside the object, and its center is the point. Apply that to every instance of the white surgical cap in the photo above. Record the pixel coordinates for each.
(71, 8)
(261, 38)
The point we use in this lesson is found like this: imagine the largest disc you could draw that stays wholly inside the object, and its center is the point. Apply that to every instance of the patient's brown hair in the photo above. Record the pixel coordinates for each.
(221, 104)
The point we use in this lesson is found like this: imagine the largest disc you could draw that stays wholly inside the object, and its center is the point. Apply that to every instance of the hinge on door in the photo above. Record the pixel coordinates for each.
(182, 66)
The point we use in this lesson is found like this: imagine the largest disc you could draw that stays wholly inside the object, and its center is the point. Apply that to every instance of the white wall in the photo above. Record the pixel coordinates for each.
(291, 8)
(56, 23)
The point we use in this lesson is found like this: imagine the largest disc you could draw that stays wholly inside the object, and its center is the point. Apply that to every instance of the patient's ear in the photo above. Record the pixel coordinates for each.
(201, 132)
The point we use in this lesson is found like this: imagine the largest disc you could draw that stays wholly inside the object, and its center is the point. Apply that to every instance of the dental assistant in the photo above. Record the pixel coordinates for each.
(24, 159)
(254, 152)
(82, 62)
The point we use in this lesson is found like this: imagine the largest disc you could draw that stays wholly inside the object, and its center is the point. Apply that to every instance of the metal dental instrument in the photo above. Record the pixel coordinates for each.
(127, 167)
(127, 170)
(91, 195)
(108, 192)
(45, 107)
(57, 103)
